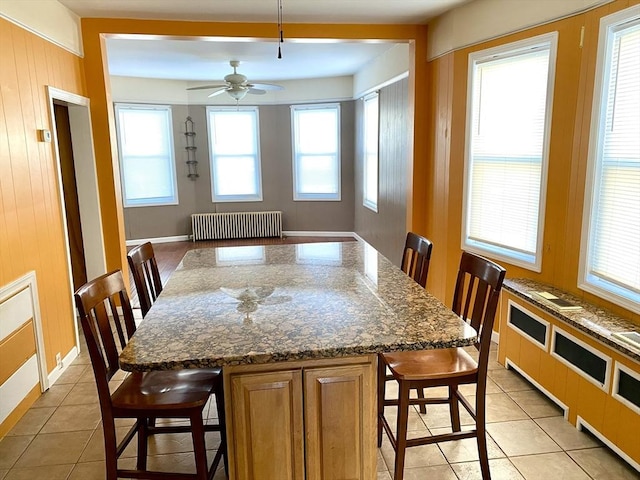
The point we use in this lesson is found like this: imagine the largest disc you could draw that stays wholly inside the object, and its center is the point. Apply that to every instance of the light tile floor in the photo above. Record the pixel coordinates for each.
(60, 437)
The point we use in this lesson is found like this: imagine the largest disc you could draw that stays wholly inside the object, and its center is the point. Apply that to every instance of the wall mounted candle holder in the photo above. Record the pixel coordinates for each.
(190, 135)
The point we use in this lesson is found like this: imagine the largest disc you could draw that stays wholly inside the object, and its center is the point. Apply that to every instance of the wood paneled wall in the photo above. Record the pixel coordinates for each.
(570, 132)
(31, 224)
(387, 228)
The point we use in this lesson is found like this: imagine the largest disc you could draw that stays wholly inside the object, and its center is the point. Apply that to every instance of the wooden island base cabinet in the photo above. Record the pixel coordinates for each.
(312, 419)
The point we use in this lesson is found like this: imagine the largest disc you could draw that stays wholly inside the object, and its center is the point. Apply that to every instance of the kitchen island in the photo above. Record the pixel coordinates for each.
(297, 329)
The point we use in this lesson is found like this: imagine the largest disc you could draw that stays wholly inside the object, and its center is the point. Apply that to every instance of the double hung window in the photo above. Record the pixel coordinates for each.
(370, 152)
(235, 154)
(145, 146)
(508, 123)
(316, 152)
(610, 253)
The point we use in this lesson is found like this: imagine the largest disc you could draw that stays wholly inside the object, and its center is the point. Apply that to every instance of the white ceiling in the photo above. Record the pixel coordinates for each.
(294, 11)
(209, 60)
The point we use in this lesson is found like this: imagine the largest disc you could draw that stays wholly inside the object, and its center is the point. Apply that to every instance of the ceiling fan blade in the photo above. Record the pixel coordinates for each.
(218, 92)
(266, 86)
(207, 87)
(256, 91)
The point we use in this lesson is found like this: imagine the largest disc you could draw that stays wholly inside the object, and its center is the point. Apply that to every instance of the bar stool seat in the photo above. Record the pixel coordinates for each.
(425, 365)
(165, 390)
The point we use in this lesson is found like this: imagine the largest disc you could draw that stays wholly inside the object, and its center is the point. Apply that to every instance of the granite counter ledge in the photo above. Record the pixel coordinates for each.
(213, 313)
(594, 321)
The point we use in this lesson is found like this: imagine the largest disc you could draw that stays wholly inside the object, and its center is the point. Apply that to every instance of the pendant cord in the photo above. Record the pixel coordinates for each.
(280, 34)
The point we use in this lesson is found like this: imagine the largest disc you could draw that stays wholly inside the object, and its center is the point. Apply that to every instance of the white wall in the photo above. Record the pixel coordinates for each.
(483, 20)
(48, 19)
(383, 70)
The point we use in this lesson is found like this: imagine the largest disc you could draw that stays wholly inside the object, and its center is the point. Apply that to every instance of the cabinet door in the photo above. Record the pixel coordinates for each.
(267, 426)
(340, 422)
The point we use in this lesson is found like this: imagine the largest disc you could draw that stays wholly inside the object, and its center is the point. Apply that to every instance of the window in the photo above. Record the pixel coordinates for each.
(610, 253)
(370, 149)
(235, 156)
(508, 123)
(316, 152)
(145, 146)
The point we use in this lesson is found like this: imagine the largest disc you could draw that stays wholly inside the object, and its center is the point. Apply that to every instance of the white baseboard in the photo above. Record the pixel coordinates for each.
(296, 233)
(581, 423)
(66, 361)
(288, 233)
(509, 364)
(358, 237)
(176, 238)
(495, 337)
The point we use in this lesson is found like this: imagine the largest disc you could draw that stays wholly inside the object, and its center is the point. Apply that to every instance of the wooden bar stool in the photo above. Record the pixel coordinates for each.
(415, 263)
(416, 257)
(143, 396)
(144, 268)
(475, 299)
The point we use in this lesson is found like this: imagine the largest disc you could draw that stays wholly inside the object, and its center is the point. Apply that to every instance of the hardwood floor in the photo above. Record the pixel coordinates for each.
(169, 255)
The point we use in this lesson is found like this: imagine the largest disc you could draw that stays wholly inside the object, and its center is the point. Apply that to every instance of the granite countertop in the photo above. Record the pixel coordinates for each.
(594, 321)
(259, 304)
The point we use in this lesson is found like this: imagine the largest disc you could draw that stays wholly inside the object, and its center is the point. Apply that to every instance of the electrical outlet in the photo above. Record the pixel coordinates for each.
(59, 360)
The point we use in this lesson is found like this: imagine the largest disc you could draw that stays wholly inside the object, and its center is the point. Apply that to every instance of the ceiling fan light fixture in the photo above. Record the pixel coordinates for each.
(237, 92)
(237, 86)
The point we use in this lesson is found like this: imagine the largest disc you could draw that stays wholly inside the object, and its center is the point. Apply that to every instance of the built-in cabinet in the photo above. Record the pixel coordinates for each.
(311, 419)
(596, 384)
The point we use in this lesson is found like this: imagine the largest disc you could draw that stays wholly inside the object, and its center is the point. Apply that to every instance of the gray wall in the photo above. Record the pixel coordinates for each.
(386, 229)
(277, 180)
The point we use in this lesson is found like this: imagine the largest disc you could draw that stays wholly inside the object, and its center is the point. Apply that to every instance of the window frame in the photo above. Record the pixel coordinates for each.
(161, 201)
(370, 204)
(217, 198)
(587, 281)
(324, 197)
(511, 255)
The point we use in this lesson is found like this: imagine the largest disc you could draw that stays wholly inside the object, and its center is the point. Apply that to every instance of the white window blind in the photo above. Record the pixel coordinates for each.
(370, 149)
(235, 158)
(145, 145)
(611, 266)
(510, 97)
(316, 152)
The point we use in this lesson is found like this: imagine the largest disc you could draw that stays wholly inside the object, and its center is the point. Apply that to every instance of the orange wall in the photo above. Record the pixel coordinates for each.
(93, 32)
(31, 224)
(575, 71)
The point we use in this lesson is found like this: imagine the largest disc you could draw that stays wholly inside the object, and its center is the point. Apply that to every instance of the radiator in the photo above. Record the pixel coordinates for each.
(214, 226)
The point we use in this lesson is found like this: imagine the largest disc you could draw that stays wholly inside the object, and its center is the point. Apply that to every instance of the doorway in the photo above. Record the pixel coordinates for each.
(78, 186)
(70, 194)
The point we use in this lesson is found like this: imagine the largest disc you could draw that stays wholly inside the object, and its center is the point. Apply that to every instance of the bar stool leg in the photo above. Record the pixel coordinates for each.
(401, 429)
(199, 449)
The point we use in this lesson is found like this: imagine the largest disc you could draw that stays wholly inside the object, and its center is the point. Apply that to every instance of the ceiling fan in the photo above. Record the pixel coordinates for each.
(237, 86)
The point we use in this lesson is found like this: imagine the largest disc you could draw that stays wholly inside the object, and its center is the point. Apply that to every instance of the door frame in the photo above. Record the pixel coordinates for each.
(84, 161)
